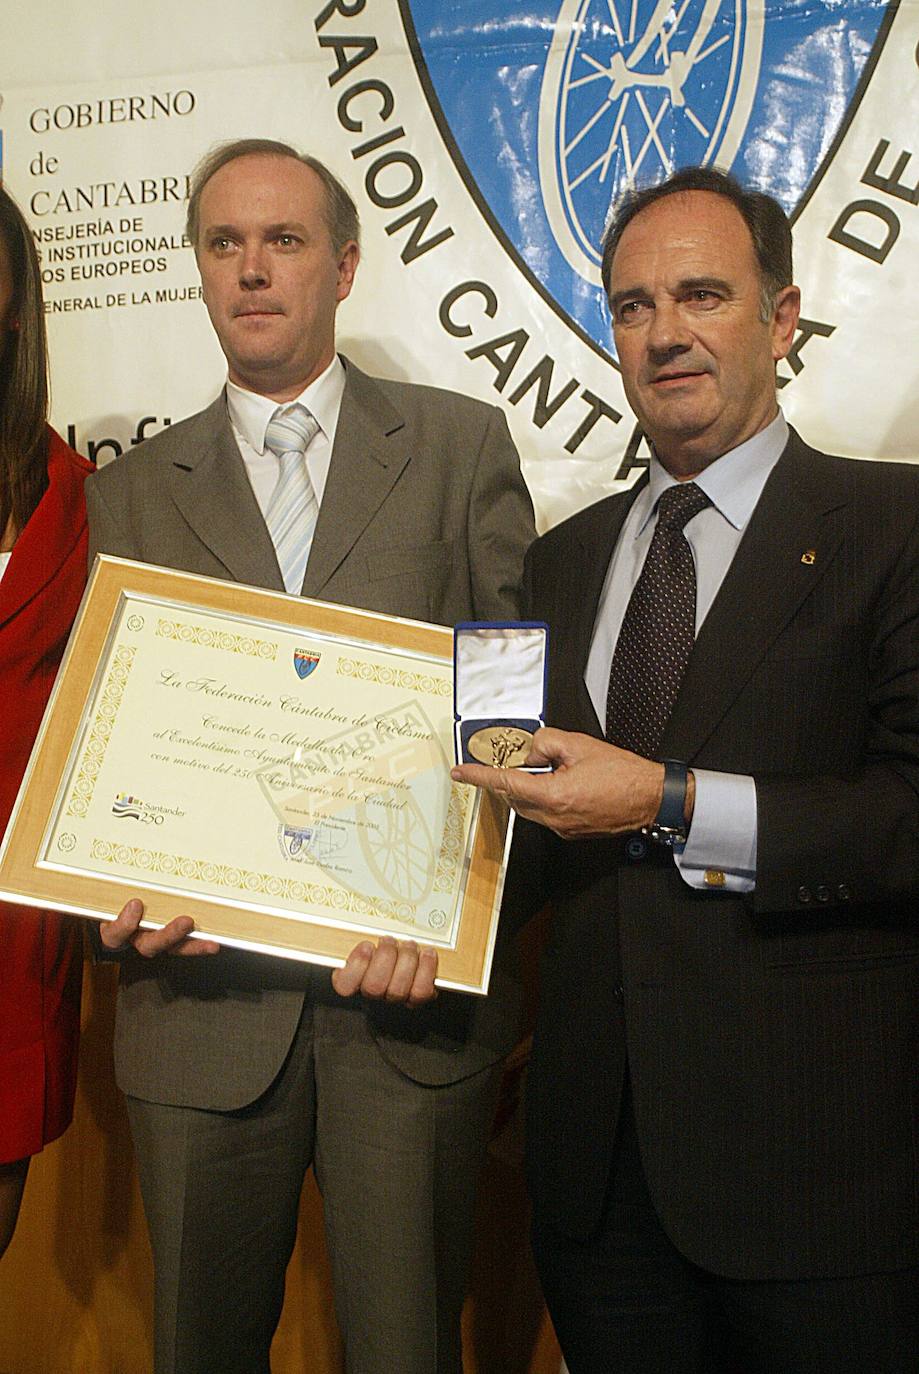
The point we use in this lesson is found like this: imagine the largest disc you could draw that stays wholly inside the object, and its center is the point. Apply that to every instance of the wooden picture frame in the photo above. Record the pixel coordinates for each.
(277, 768)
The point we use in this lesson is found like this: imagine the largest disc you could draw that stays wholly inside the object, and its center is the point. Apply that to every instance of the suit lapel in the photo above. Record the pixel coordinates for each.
(367, 460)
(795, 519)
(210, 486)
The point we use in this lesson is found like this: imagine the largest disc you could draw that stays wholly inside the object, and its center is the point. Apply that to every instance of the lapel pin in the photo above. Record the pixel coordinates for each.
(809, 556)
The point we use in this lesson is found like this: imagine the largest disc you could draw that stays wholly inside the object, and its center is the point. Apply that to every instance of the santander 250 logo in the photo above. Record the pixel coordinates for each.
(555, 110)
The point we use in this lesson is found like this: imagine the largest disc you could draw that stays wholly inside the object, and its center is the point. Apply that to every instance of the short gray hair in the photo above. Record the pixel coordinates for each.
(340, 211)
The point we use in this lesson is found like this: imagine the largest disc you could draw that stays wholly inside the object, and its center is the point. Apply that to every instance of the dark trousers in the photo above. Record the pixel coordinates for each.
(626, 1300)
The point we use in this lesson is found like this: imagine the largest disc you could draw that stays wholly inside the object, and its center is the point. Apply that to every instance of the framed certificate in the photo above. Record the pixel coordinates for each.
(274, 767)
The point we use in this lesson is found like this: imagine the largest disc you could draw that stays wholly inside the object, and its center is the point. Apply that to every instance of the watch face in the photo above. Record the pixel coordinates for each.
(666, 834)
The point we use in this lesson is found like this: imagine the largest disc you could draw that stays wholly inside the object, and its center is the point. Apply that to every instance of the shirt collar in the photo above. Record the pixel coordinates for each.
(250, 412)
(734, 482)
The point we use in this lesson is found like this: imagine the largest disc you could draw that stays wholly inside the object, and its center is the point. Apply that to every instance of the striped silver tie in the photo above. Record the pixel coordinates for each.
(293, 509)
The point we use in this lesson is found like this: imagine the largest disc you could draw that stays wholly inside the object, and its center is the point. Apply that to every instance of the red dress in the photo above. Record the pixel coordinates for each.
(40, 963)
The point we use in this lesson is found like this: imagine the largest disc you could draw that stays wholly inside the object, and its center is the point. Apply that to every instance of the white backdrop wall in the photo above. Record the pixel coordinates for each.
(482, 143)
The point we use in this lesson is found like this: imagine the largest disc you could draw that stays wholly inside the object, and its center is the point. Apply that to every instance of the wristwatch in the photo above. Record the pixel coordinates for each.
(669, 825)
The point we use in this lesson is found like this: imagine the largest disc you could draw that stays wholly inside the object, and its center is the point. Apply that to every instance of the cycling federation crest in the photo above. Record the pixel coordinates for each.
(305, 662)
(554, 113)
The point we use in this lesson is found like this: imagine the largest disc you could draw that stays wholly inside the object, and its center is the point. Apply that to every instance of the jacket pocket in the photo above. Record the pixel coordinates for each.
(408, 558)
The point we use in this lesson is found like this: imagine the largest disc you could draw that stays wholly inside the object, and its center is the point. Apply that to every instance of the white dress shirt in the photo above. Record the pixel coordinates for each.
(722, 837)
(249, 417)
(4, 562)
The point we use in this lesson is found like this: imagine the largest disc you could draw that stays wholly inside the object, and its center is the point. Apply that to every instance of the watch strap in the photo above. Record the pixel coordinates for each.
(669, 825)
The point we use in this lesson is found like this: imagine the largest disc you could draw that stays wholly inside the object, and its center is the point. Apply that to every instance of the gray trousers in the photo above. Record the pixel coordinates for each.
(397, 1165)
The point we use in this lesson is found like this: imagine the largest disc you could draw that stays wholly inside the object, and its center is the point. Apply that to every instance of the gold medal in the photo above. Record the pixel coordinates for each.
(501, 746)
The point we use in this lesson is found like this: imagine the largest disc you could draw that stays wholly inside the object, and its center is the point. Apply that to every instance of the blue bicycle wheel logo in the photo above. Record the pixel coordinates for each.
(552, 109)
(631, 90)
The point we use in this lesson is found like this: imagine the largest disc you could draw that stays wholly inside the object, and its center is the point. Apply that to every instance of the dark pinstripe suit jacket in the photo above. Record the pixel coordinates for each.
(771, 1039)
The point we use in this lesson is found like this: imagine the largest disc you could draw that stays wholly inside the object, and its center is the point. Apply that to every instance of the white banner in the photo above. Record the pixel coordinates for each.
(483, 151)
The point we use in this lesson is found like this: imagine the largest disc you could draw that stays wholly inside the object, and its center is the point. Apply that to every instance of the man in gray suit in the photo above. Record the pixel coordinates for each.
(240, 1070)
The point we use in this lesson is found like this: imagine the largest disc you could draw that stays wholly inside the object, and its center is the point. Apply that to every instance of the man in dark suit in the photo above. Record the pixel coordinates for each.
(242, 1070)
(722, 1104)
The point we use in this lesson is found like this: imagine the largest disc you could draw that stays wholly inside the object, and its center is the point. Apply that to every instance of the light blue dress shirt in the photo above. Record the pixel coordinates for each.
(250, 414)
(722, 837)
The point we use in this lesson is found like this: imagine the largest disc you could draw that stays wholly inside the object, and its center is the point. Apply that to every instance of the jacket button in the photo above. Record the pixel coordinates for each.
(844, 892)
(636, 847)
(619, 992)
(804, 895)
(822, 894)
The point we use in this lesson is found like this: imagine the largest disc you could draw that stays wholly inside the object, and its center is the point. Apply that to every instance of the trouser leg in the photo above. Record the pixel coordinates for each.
(625, 1299)
(863, 1325)
(398, 1164)
(221, 1193)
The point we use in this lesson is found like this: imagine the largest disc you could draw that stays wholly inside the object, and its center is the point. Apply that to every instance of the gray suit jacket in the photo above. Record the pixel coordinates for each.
(425, 514)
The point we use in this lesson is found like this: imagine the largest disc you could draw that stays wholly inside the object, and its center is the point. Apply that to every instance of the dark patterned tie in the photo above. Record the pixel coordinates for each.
(658, 630)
